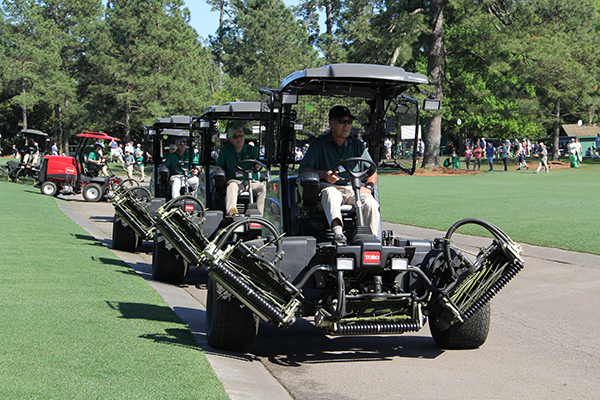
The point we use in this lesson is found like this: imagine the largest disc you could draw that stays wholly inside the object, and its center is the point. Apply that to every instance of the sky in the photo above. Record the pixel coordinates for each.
(206, 22)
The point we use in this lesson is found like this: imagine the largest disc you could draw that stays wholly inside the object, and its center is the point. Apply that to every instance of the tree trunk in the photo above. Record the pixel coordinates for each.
(555, 148)
(435, 62)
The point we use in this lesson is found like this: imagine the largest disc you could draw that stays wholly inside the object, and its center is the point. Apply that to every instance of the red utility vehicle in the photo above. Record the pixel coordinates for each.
(70, 175)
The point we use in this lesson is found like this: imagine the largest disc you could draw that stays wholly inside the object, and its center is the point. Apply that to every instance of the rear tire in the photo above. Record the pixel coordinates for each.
(49, 188)
(92, 192)
(230, 325)
(470, 335)
(123, 237)
(167, 264)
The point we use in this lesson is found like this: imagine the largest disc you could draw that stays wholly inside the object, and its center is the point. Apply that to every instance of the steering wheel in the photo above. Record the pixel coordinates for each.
(359, 176)
(257, 166)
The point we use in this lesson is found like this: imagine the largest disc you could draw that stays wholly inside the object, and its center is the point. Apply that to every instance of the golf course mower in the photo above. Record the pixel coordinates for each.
(70, 175)
(368, 286)
(31, 144)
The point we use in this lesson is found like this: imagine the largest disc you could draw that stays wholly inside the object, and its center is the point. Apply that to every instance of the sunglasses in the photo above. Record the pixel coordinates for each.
(237, 136)
(344, 121)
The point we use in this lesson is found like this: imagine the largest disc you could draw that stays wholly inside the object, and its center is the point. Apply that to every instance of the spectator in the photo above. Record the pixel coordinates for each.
(597, 142)
(455, 160)
(468, 155)
(139, 162)
(388, 148)
(504, 154)
(54, 149)
(489, 151)
(477, 155)
(578, 150)
(15, 152)
(543, 155)
(113, 150)
(521, 152)
(128, 162)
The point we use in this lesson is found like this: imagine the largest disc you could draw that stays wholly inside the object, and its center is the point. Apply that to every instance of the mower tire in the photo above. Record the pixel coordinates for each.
(230, 325)
(167, 264)
(92, 192)
(469, 335)
(123, 237)
(49, 188)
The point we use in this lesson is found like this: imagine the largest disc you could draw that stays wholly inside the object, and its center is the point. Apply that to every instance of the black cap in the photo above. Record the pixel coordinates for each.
(339, 112)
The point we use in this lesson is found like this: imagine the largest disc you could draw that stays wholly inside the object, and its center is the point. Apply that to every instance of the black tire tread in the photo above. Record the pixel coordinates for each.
(470, 335)
(167, 264)
(123, 237)
(230, 325)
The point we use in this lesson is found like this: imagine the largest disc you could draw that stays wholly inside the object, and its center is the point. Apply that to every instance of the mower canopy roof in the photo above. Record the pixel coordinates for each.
(97, 135)
(29, 132)
(248, 110)
(352, 80)
(173, 122)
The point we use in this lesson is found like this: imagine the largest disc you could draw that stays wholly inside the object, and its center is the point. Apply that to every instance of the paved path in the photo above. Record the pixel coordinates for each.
(542, 344)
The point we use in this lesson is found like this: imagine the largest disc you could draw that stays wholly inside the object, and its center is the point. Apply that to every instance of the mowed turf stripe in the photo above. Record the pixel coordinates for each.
(76, 322)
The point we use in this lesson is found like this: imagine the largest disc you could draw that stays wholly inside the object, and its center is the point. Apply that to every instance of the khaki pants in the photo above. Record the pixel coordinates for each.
(544, 162)
(129, 170)
(178, 180)
(332, 198)
(235, 187)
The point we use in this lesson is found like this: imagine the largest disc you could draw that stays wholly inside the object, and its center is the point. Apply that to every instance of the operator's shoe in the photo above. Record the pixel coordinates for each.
(536, 172)
(339, 239)
(232, 212)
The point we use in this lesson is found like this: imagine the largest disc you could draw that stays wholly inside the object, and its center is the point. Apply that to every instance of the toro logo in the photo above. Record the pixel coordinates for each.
(189, 207)
(70, 170)
(371, 257)
(255, 225)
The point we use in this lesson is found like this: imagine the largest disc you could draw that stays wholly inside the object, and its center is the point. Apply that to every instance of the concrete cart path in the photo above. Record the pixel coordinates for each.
(243, 376)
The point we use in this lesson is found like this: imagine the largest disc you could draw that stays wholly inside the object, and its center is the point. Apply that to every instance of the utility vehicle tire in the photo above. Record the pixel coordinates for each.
(167, 264)
(49, 188)
(92, 192)
(470, 335)
(123, 237)
(230, 325)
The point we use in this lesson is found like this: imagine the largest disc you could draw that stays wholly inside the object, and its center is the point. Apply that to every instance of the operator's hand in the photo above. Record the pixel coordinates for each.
(365, 190)
(331, 177)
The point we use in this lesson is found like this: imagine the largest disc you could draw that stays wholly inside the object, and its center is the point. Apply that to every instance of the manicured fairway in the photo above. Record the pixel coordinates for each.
(559, 209)
(77, 323)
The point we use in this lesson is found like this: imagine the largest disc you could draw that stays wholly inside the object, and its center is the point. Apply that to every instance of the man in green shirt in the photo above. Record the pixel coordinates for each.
(231, 154)
(95, 162)
(172, 162)
(323, 154)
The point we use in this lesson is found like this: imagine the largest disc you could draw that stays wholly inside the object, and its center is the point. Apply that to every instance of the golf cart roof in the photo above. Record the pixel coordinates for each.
(174, 122)
(354, 80)
(97, 135)
(171, 132)
(31, 132)
(236, 110)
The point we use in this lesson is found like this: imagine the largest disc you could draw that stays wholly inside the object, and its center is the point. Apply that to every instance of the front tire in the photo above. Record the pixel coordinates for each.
(470, 335)
(167, 264)
(123, 237)
(92, 192)
(230, 325)
(49, 188)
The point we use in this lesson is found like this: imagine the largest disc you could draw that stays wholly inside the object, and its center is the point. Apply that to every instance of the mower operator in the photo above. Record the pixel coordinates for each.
(95, 162)
(177, 180)
(323, 154)
(231, 154)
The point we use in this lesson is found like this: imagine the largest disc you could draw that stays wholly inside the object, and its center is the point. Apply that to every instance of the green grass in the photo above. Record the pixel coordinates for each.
(77, 323)
(553, 210)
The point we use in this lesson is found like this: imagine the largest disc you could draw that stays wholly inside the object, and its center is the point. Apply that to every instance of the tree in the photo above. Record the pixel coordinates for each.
(147, 63)
(32, 56)
(262, 45)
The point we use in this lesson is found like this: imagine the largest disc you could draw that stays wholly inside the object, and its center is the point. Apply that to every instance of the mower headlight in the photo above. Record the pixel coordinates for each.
(344, 264)
(399, 264)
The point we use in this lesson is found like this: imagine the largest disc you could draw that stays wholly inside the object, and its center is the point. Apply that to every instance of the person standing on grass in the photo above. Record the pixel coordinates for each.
(489, 151)
(504, 153)
(521, 152)
(543, 154)
(128, 162)
(477, 154)
(468, 154)
(455, 160)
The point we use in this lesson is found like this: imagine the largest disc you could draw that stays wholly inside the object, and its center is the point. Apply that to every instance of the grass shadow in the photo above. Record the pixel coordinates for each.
(149, 312)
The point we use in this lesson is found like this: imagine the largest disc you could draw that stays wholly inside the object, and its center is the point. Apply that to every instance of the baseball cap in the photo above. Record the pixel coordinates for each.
(172, 147)
(339, 112)
(233, 130)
